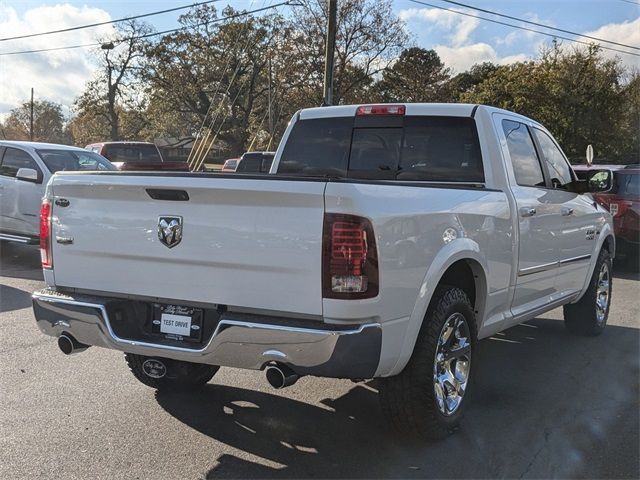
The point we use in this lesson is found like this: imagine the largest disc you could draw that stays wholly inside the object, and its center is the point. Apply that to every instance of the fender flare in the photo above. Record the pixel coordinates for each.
(605, 233)
(460, 249)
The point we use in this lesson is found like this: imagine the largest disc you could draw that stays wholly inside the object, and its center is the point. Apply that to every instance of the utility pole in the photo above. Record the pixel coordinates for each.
(329, 53)
(31, 117)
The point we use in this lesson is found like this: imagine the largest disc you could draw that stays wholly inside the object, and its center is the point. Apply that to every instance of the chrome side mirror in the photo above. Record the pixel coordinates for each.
(28, 175)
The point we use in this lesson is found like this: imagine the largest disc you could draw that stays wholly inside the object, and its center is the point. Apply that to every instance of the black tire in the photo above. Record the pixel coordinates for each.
(409, 400)
(582, 318)
(176, 375)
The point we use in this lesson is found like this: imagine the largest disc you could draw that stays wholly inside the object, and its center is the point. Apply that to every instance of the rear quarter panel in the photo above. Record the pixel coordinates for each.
(409, 222)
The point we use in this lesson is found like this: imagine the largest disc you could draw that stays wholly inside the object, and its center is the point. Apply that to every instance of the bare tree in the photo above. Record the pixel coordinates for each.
(114, 89)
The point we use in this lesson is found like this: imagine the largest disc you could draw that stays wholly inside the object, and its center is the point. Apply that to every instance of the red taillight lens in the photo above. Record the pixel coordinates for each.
(45, 234)
(350, 261)
(365, 110)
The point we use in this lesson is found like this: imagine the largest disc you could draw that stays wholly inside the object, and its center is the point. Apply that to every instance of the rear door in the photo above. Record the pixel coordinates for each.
(538, 217)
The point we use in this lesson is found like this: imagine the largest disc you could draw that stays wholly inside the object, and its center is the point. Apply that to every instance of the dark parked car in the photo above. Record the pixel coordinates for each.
(255, 162)
(135, 156)
(623, 201)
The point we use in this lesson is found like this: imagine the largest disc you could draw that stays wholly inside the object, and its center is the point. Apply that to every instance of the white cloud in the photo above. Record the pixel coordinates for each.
(59, 76)
(464, 57)
(460, 53)
(627, 32)
(460, 27)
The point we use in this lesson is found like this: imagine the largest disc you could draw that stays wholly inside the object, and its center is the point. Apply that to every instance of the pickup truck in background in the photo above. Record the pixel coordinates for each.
(136, 156)
(385, 242)
(25, 169)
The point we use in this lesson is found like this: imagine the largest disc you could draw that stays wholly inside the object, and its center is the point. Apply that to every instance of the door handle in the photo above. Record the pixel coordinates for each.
(566, 211)
(527, 212)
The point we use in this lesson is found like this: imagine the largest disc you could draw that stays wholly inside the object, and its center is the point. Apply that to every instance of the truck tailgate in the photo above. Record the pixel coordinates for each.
(245, 242)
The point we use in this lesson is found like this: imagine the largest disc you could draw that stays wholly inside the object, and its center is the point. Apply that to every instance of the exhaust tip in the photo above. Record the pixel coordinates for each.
(280, 376)
(68, 345)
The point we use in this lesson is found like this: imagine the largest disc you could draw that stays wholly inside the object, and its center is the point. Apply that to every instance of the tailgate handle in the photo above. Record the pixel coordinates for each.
(168, 194)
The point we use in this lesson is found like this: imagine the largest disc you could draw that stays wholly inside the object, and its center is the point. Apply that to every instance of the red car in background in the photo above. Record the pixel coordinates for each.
(136, 156)
(623, 201)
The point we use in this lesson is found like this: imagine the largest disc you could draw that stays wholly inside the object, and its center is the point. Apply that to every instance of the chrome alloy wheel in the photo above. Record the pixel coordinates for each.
(603, 293)
(452, 364)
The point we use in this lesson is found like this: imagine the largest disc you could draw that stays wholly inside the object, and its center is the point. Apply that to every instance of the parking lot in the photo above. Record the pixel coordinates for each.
(544, 404)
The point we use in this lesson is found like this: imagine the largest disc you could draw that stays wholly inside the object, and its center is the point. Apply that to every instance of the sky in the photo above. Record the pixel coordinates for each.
(459, 40)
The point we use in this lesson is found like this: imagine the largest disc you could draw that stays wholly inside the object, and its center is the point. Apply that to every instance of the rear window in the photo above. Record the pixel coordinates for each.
(426, 148)
(132, 153)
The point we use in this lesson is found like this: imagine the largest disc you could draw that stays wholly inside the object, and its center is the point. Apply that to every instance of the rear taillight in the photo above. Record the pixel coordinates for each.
(350, 260)
(45, 234)
(366, 110)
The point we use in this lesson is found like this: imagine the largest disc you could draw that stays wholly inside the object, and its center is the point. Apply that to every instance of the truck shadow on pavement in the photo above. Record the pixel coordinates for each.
(13, 299)
(543, 404)
(20, 261)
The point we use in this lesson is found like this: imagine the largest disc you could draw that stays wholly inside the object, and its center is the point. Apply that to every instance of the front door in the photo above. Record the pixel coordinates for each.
(578, 216)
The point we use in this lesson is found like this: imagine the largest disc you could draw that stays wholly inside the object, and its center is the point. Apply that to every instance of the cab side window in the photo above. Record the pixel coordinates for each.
(526, 165)
(557, 166)
(13, 160)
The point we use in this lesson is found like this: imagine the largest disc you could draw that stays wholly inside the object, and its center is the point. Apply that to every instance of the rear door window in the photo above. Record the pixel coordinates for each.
(526, 166)
(13, 160)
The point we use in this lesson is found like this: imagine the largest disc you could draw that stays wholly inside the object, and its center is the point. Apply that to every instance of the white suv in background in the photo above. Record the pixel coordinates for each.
(25, 169)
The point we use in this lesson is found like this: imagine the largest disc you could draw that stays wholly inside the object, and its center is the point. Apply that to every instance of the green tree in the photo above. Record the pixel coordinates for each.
(417, 76)
(48, 123)
(465, 82)
(577, 94)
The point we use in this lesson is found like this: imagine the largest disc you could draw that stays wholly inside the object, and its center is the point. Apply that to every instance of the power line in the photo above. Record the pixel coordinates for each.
(631, 2)
(86, 45)
(521, 27)
(91, 25)
(530, 22)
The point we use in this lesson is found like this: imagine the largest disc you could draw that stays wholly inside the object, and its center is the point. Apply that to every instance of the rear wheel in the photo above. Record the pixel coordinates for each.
(165, 374)
(589, 315)
(427, 398)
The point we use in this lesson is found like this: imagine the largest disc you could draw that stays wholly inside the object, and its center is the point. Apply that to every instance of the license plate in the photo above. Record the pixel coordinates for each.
(177, 322)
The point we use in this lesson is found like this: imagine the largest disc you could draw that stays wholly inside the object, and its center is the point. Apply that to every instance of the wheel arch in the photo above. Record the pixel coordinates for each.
(461, 266)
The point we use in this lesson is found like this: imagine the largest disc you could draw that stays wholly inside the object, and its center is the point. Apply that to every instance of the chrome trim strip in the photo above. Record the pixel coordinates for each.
(575, 259)
(537, 268)
(15, 238)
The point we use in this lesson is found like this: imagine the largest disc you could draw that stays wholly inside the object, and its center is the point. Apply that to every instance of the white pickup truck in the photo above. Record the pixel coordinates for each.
(387, 240)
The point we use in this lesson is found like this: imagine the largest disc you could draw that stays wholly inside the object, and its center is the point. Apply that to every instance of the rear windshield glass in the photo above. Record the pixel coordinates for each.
(418, 148)
(73, 161)
(132, 153)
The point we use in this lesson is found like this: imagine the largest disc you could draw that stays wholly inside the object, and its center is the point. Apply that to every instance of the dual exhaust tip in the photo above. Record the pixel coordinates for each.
(280, 376)
(69, 345)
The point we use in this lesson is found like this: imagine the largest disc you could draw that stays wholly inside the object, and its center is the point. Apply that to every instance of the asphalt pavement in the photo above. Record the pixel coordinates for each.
(543, 404)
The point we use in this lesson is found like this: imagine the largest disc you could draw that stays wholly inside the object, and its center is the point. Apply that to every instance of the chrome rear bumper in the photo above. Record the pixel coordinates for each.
(237, 341)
